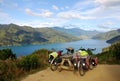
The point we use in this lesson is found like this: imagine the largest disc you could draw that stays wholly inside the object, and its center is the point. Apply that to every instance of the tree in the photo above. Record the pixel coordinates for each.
(6, 54)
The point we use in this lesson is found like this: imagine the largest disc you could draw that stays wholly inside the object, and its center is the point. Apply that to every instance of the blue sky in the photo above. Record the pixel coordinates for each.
(102, 15)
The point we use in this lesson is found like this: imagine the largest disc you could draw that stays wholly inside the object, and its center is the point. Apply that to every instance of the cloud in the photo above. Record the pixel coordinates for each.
(72, 15)
(110, 23)
(80, 10)
(109, 6)
(92, 9)
(108, 3)
(4, 17)
(37, 24)
(64, 8)
(82, 5)
(103, 26)
(55, 7)
(106, 8)
(113, 5)
(44, 13)
(107, 25)
(106, 28)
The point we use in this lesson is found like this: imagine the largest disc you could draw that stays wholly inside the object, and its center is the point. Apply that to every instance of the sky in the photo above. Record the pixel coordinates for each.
(100, 15)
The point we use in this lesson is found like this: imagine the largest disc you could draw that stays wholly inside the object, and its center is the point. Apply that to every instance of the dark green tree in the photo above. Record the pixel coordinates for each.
(7, 54)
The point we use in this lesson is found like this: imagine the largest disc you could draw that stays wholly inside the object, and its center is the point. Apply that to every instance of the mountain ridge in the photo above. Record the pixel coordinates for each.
(77, 32)
(107, 35)
(114, 39)
(12, 34)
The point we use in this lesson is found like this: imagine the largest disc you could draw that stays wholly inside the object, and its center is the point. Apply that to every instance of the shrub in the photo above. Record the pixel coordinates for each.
(115, 50)
(112, 56)
(29, 62)
(6, 54)
(11, 69)
(8, 70)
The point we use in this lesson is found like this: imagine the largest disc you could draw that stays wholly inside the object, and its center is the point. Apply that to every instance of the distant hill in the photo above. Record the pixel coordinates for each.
(77, 32)
(56, 36)
(114, 40)
(107, 35)
(12, 34)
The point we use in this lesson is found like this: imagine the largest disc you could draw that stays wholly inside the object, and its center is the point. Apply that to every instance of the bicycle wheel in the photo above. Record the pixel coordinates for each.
(53, 65)
(81, 69)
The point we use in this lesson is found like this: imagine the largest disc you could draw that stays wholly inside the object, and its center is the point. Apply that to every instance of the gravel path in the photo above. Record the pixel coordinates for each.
(100, 73)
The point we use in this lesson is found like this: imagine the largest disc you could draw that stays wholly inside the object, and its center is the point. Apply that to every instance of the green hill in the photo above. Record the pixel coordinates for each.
(12, 34)
(107, 35)
(55, 36)
(82, 34)
(115, 39)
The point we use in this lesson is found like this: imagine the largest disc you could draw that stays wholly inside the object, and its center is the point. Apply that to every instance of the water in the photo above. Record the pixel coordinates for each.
(90, 43)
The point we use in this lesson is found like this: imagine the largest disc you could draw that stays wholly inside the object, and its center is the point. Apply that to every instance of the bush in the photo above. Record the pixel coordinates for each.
(43, 56)
(7, 54)
(29, 62)
(115, 50)
(112, 56)
(8, 70)
(11, 69)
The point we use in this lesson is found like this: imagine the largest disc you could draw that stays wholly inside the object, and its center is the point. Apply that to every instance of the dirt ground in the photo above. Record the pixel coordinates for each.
(100, 73)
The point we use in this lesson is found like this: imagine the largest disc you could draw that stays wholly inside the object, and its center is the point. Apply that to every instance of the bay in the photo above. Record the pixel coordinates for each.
(89, 43)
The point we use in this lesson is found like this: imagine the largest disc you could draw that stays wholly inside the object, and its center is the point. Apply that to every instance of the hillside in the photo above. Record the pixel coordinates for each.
(107, 35)
(82, 34)
(55, 36)
(15, 35)
(113, 40)
(12, 34)
(110, 55)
